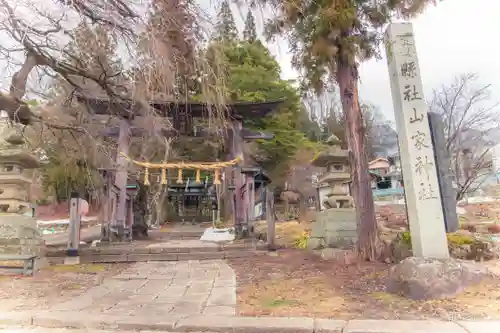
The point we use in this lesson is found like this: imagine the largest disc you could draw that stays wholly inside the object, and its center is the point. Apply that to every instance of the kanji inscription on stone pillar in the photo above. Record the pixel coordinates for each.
(423, 198)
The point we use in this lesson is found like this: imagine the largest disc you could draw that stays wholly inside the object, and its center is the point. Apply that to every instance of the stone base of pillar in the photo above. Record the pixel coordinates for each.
(334, 227)
(19, 234)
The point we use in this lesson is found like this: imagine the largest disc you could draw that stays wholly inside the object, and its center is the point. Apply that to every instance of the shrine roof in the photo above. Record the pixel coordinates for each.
(259, 175)
(127, 108)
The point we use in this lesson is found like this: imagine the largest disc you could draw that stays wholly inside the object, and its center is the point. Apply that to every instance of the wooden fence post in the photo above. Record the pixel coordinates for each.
(271, 226)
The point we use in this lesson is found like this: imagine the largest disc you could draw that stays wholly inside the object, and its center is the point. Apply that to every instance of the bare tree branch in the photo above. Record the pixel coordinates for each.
(471, 122)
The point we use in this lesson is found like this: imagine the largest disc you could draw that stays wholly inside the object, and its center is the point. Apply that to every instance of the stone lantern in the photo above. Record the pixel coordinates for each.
(19, 233)
(336, 225)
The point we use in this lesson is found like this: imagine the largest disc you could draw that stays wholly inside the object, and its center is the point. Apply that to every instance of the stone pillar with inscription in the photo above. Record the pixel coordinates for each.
(422, 194)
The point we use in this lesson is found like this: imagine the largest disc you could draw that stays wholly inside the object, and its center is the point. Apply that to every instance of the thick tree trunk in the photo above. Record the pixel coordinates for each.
(347, 77)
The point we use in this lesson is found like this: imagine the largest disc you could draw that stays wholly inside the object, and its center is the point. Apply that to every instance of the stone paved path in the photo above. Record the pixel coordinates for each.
(157, 288)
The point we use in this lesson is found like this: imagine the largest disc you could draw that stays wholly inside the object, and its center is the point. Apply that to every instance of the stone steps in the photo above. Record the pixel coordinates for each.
(174, 253)
(183, 235)
(121, 258)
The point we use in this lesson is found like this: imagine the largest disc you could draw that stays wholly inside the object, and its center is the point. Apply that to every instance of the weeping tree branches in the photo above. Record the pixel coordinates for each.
(38, 38)
(124, 52)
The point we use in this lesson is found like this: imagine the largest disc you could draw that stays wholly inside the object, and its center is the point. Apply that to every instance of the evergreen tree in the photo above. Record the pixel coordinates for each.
(226, 27)
(253, 75)
(250, 32)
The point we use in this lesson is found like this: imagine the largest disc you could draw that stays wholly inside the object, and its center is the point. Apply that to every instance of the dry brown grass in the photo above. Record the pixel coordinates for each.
(296, 283)
(286, 232)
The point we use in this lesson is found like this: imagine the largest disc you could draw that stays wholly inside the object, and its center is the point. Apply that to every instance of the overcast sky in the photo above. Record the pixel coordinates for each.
(455, 37)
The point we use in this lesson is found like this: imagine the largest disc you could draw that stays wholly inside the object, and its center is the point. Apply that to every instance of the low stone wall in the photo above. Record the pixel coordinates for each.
(19, 235)
(334, 227)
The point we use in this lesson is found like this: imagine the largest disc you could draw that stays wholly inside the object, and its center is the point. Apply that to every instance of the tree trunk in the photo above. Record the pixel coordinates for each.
(347, 76)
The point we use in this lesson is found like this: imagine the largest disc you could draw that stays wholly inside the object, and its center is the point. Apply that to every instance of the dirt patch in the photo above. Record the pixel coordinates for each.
(52, 285)
(297, 283)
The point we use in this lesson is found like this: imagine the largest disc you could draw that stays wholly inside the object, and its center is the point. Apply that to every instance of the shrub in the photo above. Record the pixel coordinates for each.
(453, 238)
(301, 242)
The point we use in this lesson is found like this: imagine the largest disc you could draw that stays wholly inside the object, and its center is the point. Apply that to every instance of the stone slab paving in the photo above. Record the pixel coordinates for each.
(182, 288)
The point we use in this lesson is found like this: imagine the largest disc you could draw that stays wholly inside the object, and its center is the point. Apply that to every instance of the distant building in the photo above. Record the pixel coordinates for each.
(386, 175)
(379, 166)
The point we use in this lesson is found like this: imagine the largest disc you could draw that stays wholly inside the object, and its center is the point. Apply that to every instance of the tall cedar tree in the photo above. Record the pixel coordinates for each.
(226, 30)
(250, 32)
(328, 40)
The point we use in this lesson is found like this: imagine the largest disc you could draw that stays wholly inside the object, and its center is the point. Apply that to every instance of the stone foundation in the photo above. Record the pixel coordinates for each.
(19, 235)
(336, 227)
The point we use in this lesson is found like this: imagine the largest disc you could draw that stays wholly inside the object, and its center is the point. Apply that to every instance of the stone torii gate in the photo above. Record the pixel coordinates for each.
(182, 115)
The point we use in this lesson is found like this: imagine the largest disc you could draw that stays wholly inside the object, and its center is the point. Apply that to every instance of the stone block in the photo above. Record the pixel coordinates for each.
(173, 292)
(341, 225)
(15, 318)
(340, 242)
(104, 258)
(199, 298)
(238, 254)
(219, 310)
(76, 304)
(132, 285)
(401, 326)
(104, 251)
(140, 298)
(119, 312)
(329, 325)
(156, 309)
(140, 257)
(127, 305)
(220, 324)
(492, 326)
(165, 257)
(334, 228)
(187, 308)
(345, 234)
(204, 249)
(158, 323)
(56, 253)
(74, 320)
(138, 250)
(222, 296)
(225, 282)
(199, 289)
(201, 256)
(19, 235)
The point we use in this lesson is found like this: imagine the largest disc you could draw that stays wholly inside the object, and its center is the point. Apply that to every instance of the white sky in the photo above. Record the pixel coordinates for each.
(455, 37)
